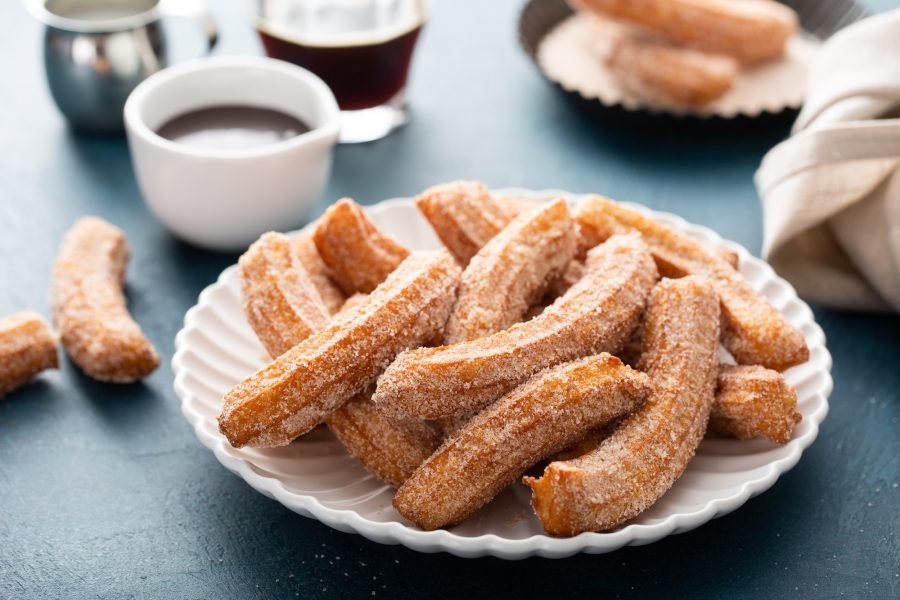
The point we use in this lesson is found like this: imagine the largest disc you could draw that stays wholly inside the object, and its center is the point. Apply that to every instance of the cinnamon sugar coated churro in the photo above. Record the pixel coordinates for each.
(358, 254)
(281, 302)
(649, 450)
(511, 272)
(308, 254)
(755, 332)
(391, 449)
(597, 314)
(751, 31)
(27, 347)
(534, 420)
(656, 70)
(464, 215)
(89, 307)
(315, 377)
(754, 402)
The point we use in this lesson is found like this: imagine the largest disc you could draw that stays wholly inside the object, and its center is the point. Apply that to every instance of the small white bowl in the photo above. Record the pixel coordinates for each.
(224, 199)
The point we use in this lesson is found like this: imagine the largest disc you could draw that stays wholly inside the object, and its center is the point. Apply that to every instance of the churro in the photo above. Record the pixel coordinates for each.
(659, 72)
(27, 347)
(597, 314)
(754, 402)
(536, 419)
(649, 450)
(511, 272)
(751, 31)
(755, 332)
(89, 307)
(281, 302)
(308, 254)
(357, 253)
(305, 384)
(464, 215)
(391, 449)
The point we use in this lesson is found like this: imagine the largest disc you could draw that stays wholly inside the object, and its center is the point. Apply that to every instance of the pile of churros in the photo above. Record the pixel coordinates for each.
(89, 311)
(580, 345)
(689, 52)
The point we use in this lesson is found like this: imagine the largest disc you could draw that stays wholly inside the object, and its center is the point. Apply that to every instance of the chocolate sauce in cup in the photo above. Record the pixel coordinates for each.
(361, 48)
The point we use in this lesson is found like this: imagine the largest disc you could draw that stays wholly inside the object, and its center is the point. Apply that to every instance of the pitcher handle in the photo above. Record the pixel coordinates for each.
(197, 10)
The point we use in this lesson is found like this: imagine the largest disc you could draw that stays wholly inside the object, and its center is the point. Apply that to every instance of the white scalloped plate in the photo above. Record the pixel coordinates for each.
(316, 478)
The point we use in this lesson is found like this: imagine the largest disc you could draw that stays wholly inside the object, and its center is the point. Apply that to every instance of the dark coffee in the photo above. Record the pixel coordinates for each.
(232, 128)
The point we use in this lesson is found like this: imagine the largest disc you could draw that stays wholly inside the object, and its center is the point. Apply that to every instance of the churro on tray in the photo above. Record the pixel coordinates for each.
(281, 301)
(89, 307)
(755, 332)
(751, 31)
(311, 380)
(754, 402)
(598, 314)
(661, 73)
(27, 347)
(511, 272)
(536, 419)
(465, 216)
(649, 450)
(357, 253)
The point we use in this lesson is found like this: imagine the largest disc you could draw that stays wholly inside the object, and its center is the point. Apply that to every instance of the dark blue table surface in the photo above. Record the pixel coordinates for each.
(105, 492)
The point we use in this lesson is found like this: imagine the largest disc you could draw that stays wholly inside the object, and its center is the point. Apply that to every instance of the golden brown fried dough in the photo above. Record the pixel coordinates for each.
(659, 72)
(281, 301)
(649, 450)
(89, 307)
(755, 332)
(536, 419)
(511, 272)
(754, 402)
(357, 253)
(598, 314)
(306, 251)
(308, 382)
(27, 347)
(465, 216)
(751, 31)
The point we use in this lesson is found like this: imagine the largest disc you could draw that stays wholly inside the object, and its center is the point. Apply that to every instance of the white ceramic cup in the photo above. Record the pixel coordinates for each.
(224, 199)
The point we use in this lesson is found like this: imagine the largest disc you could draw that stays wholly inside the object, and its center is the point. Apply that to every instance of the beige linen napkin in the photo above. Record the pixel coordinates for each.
(831, 193)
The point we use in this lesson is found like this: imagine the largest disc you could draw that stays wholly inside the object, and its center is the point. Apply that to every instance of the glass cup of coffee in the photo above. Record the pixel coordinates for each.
(361, 48)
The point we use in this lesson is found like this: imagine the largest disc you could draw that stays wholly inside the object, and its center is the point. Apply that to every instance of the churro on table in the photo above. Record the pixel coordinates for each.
(755, 332)
(598, 314)
(358, 254)
(89, 308)
(536, 419)
(308, 382)
(633, 467)
(27, 347)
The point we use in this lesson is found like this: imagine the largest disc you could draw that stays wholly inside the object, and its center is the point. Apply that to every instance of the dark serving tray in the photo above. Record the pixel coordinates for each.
(822, 18)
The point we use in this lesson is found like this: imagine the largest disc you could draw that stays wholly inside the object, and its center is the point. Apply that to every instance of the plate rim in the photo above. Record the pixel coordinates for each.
(395, 532)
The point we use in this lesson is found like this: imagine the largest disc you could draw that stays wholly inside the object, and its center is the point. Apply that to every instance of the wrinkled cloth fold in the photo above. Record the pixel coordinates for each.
(831, 192)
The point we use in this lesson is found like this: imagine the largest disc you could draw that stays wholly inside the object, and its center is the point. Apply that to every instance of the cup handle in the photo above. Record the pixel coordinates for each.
(198, 10)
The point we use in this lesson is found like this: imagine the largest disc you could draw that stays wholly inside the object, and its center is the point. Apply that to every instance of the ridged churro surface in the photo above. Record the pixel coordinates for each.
(536, 419)
(755, 332)
(511, 272)
(89, 308)
(753, 402)
(305, 384)
(27, 347)
(597, 314)
(633, 467)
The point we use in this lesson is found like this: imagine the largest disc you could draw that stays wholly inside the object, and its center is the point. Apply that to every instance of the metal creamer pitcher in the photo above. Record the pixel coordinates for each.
(97, 51)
